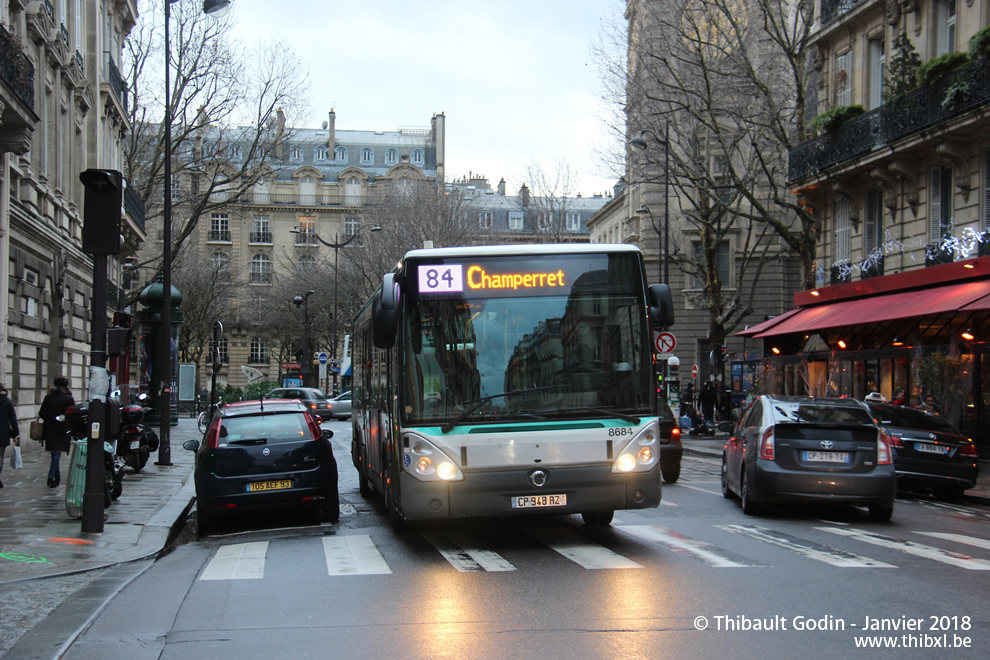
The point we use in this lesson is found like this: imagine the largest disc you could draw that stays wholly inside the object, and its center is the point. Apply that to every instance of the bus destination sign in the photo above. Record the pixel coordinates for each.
(452, 278)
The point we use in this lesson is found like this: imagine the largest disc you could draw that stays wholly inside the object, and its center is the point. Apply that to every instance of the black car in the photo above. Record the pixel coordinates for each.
(802, 449)
(314, 399)
(670, 444)
(929, 453)
(263, 455)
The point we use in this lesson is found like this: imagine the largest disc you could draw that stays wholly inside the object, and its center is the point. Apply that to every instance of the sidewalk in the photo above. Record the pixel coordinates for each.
(38, 539)
(711, 447)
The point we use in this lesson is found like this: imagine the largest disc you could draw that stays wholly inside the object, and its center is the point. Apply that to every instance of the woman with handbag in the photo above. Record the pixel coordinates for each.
(9, 430)
(55, 434)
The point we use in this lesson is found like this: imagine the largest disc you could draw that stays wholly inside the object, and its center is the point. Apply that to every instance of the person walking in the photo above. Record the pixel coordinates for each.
(707, 400)
(9, 430)
(55, 434)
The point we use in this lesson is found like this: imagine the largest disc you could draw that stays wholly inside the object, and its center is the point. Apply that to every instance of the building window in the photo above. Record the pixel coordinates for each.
(220, 227)
(307, 191)
(940, 204)
(843, 231)
(485, 220)
(259, 351)
(722, 266)
(351, 226)
(29, 306)
(843, 79)
(224, 352)
(545, 220)
(306, 265)
(176, 188)
(573, 221)
(295, 153)
(878, 63)
(261, 269)
(340, 154)
(321, 154)
(945, 27)
(220, 264)
(307, 230)
(235, 151)
(261, 232)
(417, 156)
(391, 156)
(873, 225)
(515, 220)
(367, 156)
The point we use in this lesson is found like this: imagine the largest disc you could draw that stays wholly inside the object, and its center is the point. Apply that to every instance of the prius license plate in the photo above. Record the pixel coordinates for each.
(931, 449)
(280, 484)
(826, 456)
(538, 501)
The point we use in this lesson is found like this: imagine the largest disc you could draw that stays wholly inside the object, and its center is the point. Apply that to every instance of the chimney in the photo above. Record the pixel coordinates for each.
(280, 134)
(501, 187)
(524, 195)
(332, 128)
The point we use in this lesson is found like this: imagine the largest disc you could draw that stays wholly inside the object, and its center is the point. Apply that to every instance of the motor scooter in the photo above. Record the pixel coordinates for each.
(137, 441)
(113, 467)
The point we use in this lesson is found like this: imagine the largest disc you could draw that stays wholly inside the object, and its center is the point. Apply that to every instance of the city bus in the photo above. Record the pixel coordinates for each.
(508, 381)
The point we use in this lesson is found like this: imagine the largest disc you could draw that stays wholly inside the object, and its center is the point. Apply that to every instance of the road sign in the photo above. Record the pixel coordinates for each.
(694, 371)
(323, 357)
(666, 342)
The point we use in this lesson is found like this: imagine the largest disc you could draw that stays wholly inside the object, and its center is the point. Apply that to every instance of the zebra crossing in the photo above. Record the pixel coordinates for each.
(358, 554)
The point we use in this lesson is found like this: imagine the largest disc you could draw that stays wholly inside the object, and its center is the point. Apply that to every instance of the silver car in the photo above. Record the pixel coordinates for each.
(802, 449)
(340, 406)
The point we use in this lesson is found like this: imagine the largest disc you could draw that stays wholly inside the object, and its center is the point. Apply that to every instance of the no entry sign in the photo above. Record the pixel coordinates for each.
(666, 342)
(694, 371)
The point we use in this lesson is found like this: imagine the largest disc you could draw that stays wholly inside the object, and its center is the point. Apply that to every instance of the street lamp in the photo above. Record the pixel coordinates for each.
(217, 9)
(303, 301)
(639, 143)
(336, 245)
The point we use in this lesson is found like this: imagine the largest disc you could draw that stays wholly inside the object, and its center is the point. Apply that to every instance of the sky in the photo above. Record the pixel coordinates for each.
(516, 80)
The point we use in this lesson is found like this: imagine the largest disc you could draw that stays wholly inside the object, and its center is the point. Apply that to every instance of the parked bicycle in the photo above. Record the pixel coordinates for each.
(206, 417)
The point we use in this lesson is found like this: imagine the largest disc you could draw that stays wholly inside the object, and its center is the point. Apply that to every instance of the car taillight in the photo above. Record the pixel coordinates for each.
(213, 434)
(883, 449)
(895, 441)
(969, 450)
(766, 445)
(675, 435)
(314, 426)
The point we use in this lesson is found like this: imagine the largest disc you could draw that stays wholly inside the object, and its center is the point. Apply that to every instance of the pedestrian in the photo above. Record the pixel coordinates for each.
(688, 397)
(55, 434)
(9, 430)
(928, 404)
(899, 398)
(708, 399)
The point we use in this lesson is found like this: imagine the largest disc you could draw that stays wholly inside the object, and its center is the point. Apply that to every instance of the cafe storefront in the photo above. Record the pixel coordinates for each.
(876, 335)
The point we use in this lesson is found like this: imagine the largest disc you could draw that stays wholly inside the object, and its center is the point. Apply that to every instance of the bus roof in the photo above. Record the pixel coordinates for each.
(525, 249)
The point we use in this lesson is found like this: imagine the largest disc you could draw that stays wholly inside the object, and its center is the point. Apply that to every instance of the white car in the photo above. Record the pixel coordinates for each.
(340, 406)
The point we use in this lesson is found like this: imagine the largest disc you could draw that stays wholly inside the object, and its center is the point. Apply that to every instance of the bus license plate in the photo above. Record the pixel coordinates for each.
(281, 484)
(538, 501)
(827, 456)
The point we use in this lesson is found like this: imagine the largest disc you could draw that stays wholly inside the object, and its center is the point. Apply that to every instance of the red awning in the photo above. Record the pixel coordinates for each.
(902, 305)
(766, 325)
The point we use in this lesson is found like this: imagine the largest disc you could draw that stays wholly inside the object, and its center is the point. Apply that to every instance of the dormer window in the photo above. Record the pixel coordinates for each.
(295, 153)
(340, 154)
(321, 154)
(417, 156)
(391, 157)
(367, 156)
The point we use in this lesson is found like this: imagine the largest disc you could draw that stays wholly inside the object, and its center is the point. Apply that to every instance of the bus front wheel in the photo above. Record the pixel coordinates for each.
(395, 518)
(597, 518)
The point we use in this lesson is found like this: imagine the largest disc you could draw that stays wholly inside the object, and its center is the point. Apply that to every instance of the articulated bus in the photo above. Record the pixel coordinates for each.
(509, 380)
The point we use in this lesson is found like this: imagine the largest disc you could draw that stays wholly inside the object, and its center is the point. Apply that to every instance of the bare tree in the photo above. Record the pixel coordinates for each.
(552, 188)
(207, 290)
(229, 108)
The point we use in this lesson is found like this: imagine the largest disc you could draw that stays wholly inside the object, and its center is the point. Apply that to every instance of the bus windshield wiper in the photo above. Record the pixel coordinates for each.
(446, 428)
(632, 419)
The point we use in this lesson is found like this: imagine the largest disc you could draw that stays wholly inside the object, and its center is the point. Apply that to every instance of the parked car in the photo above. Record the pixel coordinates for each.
(802, 449)
(340, 406)
(670, 444)
(929, 453)
(314, 399)
(262, 455)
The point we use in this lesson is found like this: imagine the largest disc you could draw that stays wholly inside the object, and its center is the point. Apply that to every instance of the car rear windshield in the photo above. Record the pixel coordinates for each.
(273, 429)
(816, 413)
(912, 419)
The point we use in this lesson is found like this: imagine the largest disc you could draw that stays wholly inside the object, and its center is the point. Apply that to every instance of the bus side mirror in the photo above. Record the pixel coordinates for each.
(385, 313)
(661, 306)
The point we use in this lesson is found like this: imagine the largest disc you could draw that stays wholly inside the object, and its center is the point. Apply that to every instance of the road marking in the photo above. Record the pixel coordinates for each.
(959, 538)
(353, 555)
(823, 553)
(703, 490)
(912, 548)
(687, 545)
(580, 550)
(468, 555)
(239, 561)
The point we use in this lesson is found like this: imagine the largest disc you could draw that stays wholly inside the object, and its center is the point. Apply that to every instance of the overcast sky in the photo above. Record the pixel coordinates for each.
(516, 79)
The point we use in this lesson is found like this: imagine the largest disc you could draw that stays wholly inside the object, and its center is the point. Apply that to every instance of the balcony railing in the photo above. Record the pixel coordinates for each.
(910, 114)
(302, 200)
(832, 9)
(260, 278)
(222, 235)
(116, 81)
(306, 238)
(15, 67)
(134, 206)
(261, 237)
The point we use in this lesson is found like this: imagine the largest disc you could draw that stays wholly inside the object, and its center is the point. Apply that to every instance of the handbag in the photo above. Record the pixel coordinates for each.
(37, 430)
(16, 462)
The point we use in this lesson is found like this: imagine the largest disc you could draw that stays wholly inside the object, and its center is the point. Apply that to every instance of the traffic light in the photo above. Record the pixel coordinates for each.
(102, 211)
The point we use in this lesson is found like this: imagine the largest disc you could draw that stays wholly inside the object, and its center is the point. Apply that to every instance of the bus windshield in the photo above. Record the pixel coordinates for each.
(525, 338)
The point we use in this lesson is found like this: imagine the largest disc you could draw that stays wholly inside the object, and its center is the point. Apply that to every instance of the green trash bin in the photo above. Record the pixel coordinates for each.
(75, 487)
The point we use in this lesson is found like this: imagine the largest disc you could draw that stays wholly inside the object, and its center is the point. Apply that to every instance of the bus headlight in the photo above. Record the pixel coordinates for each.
(640, 455)
(426, 462)
(626, 463)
